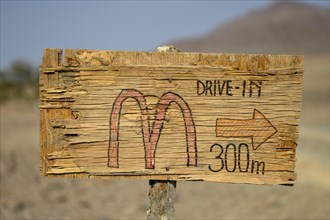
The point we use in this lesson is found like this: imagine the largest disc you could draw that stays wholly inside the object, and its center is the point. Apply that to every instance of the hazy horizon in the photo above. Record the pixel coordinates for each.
(27, 27)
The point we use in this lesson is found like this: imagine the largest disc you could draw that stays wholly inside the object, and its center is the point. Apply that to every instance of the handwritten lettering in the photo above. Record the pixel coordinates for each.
(245, 88)
(230, 159)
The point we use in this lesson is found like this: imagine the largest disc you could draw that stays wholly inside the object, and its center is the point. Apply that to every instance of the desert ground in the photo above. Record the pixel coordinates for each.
(26, 195)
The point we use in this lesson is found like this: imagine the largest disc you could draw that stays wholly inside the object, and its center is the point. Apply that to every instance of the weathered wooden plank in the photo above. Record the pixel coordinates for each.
(176, 116)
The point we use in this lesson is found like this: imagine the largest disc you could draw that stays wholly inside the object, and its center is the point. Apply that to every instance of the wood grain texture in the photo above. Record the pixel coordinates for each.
(172, 116)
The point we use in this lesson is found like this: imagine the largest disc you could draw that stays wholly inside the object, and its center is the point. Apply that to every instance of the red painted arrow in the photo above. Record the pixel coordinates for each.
(258, 128)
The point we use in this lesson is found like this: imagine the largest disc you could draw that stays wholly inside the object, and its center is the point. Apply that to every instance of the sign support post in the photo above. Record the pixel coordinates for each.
(161, 196)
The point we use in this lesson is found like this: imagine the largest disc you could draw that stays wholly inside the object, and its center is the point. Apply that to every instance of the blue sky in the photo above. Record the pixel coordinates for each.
(27, 27)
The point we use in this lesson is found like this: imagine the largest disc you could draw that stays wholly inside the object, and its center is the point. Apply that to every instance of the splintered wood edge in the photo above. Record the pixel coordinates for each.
(107, 58)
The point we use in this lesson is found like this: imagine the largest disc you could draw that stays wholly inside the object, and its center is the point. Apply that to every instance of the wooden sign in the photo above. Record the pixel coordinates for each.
(172, 116)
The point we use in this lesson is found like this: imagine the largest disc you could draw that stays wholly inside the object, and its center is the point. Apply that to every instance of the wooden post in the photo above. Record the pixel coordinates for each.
(162, 192)
(161, 196)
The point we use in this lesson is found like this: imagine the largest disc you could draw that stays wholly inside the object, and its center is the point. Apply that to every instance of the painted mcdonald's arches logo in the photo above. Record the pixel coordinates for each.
(259, 128)
(151, 134)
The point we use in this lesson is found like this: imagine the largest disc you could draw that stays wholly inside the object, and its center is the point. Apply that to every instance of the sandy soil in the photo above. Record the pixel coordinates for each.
(26, 195)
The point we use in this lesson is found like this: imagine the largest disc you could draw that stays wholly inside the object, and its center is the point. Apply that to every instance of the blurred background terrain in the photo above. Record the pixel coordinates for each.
(281, 27)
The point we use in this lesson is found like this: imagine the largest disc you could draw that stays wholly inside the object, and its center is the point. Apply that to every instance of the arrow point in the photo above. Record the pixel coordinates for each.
(258, 115)
(268, 130)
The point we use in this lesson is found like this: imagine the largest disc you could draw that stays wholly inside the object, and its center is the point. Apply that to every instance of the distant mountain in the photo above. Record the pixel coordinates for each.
(282, 28)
